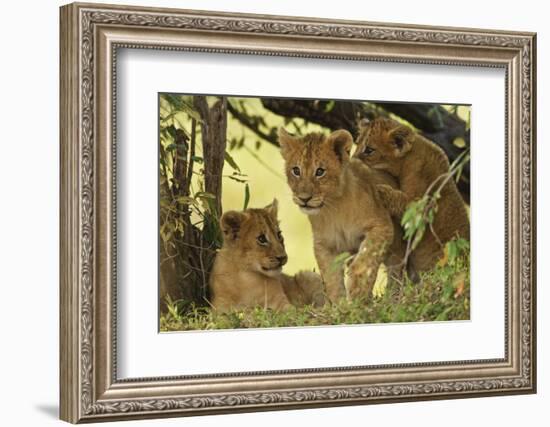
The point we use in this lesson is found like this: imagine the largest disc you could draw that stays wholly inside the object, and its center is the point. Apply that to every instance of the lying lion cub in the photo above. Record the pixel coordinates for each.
(247, 271)
(416, 162)
(344, 209)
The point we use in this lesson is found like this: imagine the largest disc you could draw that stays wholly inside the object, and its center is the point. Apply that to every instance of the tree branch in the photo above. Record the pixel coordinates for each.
(245, 121)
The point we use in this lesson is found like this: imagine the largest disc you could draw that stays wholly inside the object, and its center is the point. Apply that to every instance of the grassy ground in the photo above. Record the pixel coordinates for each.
(442, 294)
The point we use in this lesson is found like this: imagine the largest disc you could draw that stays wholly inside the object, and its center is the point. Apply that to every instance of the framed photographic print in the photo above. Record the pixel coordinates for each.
(265, 212)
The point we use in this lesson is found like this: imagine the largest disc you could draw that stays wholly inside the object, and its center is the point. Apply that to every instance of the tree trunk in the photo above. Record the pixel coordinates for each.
(184, 274)
(214, 138)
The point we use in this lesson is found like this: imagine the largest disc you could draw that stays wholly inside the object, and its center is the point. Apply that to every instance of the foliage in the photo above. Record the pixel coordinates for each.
(442, 294)
(419, 214)
(189, 230)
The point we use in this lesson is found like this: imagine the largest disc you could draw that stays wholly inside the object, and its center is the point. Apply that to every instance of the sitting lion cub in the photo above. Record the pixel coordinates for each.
(344, 209)
(384, 144)
(247, 271)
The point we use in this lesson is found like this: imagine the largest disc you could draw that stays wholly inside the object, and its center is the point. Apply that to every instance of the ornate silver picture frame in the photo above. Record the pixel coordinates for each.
(91, 34)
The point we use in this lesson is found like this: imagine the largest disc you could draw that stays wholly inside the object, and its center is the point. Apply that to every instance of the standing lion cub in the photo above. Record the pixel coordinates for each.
(247, 271)
(344, 209)
(385, 144)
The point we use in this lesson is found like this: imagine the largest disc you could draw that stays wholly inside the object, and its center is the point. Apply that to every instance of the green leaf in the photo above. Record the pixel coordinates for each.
(171, 130)
(174, 146)
(205, 195)
(231, 161)
(180, 104)
(234, 178)
(184, 200)
(419, 234)
(432, 210)
(246, 195)
(452, 250)
(329, 106)
(408, 215)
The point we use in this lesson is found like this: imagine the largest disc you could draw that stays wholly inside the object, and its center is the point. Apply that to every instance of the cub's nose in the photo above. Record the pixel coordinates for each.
(304, 199)
(282, 259)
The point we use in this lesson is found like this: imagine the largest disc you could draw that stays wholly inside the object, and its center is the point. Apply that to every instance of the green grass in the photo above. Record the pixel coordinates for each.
(442, 294)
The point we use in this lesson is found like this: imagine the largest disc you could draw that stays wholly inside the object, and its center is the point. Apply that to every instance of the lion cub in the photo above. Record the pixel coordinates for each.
(416, 162)
(247, 271)
(344, 210)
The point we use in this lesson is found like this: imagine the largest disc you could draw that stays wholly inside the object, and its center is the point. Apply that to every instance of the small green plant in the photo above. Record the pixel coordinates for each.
(443, 294)
(419, 214)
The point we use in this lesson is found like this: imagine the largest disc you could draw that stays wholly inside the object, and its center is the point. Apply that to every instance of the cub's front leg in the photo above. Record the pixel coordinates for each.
(333, 275)
(372, 252)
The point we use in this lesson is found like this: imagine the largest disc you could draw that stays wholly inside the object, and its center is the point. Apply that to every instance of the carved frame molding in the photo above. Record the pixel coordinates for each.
(90, 37)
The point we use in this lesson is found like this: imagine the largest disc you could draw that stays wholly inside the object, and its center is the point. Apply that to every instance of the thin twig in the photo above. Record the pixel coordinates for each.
(432, 198)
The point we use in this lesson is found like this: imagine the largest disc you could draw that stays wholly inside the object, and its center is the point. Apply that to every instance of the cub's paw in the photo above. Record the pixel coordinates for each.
(360, 169)
(385, 192)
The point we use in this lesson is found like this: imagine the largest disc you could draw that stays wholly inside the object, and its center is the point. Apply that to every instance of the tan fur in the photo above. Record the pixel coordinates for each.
(248, 273)
(416, 163)
(344, 210)
(304, 288)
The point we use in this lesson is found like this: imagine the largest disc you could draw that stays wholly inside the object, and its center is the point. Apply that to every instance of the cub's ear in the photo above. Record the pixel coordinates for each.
(287, 142)
(273, 208)
(230, 223)
(341, 142)
(401, 138)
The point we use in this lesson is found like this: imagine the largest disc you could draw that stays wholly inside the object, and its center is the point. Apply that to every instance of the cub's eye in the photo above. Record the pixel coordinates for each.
(320, 172)
(296, 171)
(262, 240)
(280, 236)
(368, 150)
